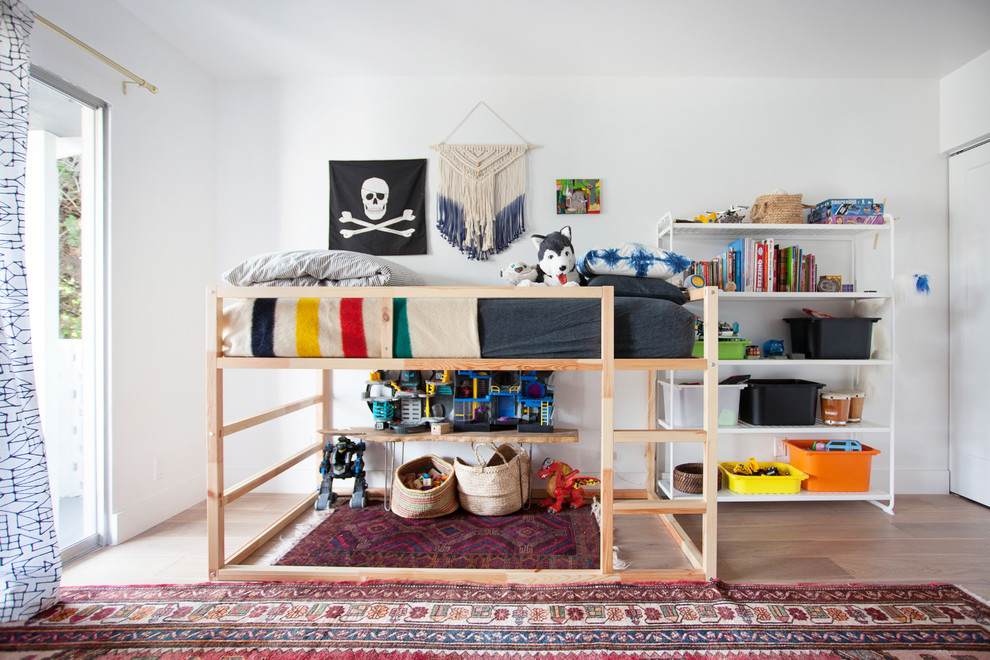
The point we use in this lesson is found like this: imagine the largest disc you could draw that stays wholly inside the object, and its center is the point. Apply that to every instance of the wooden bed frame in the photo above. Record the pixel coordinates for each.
(224, 566)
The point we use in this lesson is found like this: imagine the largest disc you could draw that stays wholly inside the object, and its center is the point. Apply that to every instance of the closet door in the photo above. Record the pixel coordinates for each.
(969, 324)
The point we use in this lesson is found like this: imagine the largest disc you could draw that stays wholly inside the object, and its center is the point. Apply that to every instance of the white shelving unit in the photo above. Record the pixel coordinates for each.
(863, 256)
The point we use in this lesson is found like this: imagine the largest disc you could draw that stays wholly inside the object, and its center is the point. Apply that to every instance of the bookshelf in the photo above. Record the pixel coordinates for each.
(862, 255)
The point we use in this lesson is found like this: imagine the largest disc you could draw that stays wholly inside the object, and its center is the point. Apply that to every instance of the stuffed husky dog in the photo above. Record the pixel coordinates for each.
(557, 260)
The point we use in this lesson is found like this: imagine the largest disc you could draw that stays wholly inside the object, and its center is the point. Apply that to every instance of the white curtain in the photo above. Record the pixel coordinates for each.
(29, 557)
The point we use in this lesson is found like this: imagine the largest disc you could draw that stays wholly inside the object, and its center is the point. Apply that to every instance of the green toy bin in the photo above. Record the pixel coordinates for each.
(727, 350)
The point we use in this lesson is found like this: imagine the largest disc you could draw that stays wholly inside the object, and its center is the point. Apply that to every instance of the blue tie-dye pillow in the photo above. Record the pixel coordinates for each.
(633, 259)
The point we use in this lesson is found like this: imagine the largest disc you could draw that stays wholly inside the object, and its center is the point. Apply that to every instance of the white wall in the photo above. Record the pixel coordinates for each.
(162, 252)
(965, 104)
(686, 145)
(247, 162)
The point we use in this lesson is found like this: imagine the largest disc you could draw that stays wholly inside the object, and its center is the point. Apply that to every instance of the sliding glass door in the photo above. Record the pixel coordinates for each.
(64, 254)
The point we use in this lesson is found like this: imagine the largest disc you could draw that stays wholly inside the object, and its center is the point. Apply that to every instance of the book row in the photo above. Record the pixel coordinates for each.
(758, 266)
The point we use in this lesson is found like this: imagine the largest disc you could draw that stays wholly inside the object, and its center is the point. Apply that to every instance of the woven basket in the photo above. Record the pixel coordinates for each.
(688, 477)
(777, 208)
(498, 487)
(433, 503)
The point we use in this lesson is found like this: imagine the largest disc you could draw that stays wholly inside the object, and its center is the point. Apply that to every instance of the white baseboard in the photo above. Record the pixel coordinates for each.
(130, 522)
(921, 482)
(161, 506)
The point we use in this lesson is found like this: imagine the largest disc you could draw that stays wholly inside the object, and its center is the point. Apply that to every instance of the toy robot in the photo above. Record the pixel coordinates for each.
(343, 459)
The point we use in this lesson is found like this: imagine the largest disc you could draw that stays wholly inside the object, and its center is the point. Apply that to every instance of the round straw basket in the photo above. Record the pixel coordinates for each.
(688, 478)
(777, 208)
(433, 503)
(498, 487)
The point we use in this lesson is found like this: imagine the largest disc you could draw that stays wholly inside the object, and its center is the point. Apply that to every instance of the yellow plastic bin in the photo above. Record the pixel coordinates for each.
(789, 480)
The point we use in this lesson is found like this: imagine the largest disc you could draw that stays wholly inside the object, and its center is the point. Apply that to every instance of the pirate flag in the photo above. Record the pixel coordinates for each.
(378, 206)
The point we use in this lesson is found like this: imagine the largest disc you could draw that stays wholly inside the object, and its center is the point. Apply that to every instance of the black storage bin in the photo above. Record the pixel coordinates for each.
(779, 402)
(832, 339)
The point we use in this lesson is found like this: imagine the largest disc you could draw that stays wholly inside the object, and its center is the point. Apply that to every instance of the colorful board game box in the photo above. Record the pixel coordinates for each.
(852, 211)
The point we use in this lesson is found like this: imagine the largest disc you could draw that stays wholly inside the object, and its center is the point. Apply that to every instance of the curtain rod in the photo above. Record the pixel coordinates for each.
(134, 80)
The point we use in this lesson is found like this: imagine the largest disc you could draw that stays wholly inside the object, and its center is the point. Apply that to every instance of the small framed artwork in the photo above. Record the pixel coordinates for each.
(579, 196)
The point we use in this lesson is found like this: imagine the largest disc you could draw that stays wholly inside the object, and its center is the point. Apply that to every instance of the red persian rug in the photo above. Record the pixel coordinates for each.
(528, 540)
(417, 621)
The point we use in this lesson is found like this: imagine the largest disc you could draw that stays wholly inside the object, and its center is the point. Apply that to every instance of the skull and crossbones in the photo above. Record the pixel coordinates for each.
(374, 197)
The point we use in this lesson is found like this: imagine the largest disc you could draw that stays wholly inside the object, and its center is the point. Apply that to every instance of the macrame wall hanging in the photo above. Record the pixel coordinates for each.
(482, 193)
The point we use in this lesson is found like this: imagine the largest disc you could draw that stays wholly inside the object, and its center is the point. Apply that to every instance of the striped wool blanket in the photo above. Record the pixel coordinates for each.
(350, 328)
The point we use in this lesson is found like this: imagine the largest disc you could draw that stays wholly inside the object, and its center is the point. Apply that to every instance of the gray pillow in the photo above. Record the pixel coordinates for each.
(320, 268)
(640, 287)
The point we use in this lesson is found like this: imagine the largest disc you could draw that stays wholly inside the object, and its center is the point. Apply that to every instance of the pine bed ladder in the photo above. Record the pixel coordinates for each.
(702, 559)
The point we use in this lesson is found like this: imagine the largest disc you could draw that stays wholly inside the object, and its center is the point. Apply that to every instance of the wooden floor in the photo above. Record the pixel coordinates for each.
(930, 538)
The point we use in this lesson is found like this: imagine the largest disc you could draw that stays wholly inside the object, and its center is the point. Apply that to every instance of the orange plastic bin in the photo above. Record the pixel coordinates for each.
(832, 471)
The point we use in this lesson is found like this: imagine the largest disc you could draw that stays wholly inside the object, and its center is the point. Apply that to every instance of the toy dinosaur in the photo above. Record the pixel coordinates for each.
(563, 485)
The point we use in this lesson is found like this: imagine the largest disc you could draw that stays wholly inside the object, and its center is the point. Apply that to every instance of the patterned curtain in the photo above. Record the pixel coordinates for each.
(29, 558)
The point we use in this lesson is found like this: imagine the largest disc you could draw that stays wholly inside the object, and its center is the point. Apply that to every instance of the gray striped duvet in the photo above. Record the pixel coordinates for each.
(320, 268)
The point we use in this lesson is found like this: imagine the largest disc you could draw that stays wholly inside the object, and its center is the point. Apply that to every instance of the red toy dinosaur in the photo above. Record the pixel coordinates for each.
(563, 485)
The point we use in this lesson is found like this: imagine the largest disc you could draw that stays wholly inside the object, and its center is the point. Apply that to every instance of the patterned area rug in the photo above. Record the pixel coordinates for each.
(530, 540)
(418, 621)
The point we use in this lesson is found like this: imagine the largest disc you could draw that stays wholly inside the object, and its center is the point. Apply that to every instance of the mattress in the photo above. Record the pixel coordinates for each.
(455, 328)
(570, 329)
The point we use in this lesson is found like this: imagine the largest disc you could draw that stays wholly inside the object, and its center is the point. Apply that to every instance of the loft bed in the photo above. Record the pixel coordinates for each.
(607, 334)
